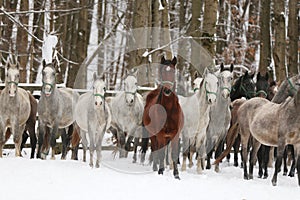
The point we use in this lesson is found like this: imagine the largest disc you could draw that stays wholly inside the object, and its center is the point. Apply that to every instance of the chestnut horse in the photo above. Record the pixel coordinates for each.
(163, 117)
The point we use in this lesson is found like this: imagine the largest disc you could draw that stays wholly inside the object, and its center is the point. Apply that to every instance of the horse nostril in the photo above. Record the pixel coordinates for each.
(131, 101)
(209, 100)
(96, 103)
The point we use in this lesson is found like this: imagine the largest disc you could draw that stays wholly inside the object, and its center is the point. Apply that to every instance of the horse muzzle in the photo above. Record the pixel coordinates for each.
(12, 93)
(211, 99)
(225, 94)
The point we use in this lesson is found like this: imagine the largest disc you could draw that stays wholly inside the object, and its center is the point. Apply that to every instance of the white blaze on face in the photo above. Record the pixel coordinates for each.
(99, 92)
(48, 80)
(13, 77)
(130, 89)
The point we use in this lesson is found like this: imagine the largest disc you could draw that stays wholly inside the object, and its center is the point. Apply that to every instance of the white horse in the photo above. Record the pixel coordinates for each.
(196, 114)
(127, 112)
(93, 116)
(14, 108)
(220, 116)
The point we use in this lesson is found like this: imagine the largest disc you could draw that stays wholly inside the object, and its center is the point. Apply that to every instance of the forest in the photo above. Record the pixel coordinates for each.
(109, 36)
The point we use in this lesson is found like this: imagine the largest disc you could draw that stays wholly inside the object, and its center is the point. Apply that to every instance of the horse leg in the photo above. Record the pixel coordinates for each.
(40, 138)
(185, 152)
(285, 169)
(236, 148)
(175, 155)
(128, 142)
(145, 142)
(280, 150)
(244, 140)
(161, 158)
(84, 144)
(53, 144)
(253, 156)
(154, 152)
(201, 156)
(266, 160)
(33, 139)
(293, 166)
(260, 154)
(98, 148)
(65, 143)
(17, 136)
(209, 155)
(298, 165)
(135, 145)
(217, 154)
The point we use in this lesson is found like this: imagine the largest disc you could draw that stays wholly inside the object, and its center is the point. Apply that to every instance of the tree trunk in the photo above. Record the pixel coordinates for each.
(36, 53)
(194, 31)
(280, 40)
(22, 41)
(141, 23)
(253, 32)
(265, 38)
(293, 34)
(209, 26)
(165, 33)
(221, 34)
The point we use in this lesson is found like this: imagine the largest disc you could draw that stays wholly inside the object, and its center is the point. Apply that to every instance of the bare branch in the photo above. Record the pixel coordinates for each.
(11, 18)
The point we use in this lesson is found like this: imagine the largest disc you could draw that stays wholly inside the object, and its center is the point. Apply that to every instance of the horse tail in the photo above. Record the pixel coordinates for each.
(232, 134)
(75, 138)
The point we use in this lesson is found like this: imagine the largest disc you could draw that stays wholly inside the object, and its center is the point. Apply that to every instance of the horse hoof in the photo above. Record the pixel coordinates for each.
(284, 173)
(291, 174)
(161, 171)
(260, 176)
(246, 177)
(251, 176)
(274, 183)
(97, 165)
(177, 177)
(265, 176)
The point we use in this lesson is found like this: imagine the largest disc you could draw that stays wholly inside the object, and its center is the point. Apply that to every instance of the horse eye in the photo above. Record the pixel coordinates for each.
(104, 89)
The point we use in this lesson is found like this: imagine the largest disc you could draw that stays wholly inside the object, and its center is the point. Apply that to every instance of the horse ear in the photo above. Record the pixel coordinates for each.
(231, 67)
(135, 72)
(267, 76)
(162, 60)
(196, 75)
(222, 67)
(246, 73)
(44, 63)
(174, 61)
(252, 76)
(258, 76)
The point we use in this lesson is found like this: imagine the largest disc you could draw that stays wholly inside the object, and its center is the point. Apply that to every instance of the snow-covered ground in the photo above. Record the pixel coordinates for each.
(23, 178)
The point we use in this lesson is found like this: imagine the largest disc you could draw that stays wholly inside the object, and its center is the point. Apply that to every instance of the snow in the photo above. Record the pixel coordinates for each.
(24, 178)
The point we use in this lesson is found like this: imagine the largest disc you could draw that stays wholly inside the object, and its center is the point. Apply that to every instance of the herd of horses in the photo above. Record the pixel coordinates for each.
(215, 114)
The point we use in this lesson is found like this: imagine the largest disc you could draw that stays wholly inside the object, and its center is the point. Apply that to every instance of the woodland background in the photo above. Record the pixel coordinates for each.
(262, 35)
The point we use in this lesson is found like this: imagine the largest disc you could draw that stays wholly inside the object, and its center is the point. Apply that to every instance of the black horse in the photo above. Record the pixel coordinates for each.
(244, 86)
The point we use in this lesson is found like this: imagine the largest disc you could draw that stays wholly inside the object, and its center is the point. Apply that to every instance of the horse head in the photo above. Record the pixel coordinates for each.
(167, 72)
(12, 76)
(244, 86)
(226, 77)
(49, 77)
(262, 85)
(99, 90)
(210, 84)
(131, 87)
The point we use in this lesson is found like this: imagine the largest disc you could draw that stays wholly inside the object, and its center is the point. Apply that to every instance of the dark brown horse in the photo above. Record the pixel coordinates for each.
(163, 118)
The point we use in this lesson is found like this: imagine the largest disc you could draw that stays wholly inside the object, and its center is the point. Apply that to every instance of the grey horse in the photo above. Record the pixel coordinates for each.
(220, 116)
(14, 108)
(55, 110)
(93, 116)
(127, 111)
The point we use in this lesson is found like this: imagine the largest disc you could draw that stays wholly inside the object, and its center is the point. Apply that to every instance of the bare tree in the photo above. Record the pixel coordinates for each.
(265, 37)
(293, 34)
(280, 40)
